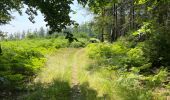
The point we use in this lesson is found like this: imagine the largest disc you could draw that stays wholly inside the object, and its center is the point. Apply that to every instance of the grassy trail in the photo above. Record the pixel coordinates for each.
(58, 66)
(58, 79)
(76, 92)
(66, 77)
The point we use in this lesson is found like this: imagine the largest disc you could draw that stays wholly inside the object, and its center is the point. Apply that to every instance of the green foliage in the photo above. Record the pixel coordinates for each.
(31, 36)
(56, 12)
(145, 29)
(0, 50)
(6, 8)
(94, 40)
(81, 35)
(58, 90)
(128, 87)
(133, 65)
(157, 79)
(99, 50)
(157, 47)
(21, 59)
(77, 44)
(135, 57)
(119, 49)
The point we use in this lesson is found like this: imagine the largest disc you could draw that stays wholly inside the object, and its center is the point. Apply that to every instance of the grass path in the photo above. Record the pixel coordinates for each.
(70, 75)
(65, 77)
(76, 93)
(58, 79)
(58, 66)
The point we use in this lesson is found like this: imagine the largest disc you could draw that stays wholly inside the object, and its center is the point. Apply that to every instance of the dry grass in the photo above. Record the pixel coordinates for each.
(54, 80)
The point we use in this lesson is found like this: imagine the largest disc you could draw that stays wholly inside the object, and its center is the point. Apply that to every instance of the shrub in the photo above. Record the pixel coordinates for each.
(21, 59)
(135, 58)
(77, 44)
(99, 50)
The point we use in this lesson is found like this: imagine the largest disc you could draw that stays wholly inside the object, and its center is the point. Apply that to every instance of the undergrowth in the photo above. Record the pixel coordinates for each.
(122, 71)
(21, 60)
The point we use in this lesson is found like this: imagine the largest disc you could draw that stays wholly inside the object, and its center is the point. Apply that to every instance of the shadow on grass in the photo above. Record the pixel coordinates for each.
(88, 93)
(93, 67)
(59, 90)
(133, 93)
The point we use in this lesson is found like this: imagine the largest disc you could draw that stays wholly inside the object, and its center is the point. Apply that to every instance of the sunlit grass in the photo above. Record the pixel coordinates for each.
(58, 66)
(96, 80)
(105, 83)
(54, 80)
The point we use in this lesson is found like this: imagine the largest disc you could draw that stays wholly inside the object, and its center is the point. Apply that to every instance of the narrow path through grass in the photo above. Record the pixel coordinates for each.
(55, 81)
(65, 77)
(76, 93)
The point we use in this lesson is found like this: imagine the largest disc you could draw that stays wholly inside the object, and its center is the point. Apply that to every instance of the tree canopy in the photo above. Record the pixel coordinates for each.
(56, 12)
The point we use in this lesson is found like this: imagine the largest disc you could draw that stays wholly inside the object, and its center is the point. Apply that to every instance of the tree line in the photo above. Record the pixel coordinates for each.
(82, 31)
(37, 33)
(115, 18)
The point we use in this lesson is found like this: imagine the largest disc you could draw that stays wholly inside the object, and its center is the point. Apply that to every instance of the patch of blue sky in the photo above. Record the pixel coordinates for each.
(22, 23)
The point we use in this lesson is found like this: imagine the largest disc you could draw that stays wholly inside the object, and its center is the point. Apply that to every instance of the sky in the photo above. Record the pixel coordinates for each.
(22, 23)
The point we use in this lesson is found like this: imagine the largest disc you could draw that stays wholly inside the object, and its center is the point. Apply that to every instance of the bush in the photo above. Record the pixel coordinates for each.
(138, 61)
(22, 59)
(77, 44)
(158, 46)
(99, 50)
(134, 58)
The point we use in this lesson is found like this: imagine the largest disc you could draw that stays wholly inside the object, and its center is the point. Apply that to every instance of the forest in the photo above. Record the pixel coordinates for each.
(123, 53)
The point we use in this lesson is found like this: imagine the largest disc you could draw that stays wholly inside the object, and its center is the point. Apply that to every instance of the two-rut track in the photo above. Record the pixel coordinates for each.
(58, 80)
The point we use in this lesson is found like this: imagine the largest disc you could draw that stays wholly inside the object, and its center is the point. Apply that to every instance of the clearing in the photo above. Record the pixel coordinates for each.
(59, 78)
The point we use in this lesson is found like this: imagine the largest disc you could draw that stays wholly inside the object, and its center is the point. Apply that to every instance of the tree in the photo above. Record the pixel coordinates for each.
(41, 32)
(128, 15)
(23, 35)
(11, 37)
(6, 6)
(17, 35)
(125, 13)
(56, 12)
(0, 50)
(3, 35)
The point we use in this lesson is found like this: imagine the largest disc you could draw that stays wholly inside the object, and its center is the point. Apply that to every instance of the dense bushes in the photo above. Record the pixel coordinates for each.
(122, 55)
(117, 54)
(140, 60)
(22, 59)
(157, 47)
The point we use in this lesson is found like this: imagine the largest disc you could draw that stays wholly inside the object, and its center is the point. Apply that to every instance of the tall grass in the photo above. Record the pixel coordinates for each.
(54, 81)
(21, 60)
(105, 81)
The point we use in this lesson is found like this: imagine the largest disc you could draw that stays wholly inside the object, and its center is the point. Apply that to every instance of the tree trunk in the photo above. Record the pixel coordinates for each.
(122, 18)
(115, 29)
(102, 34)
(132, 15)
